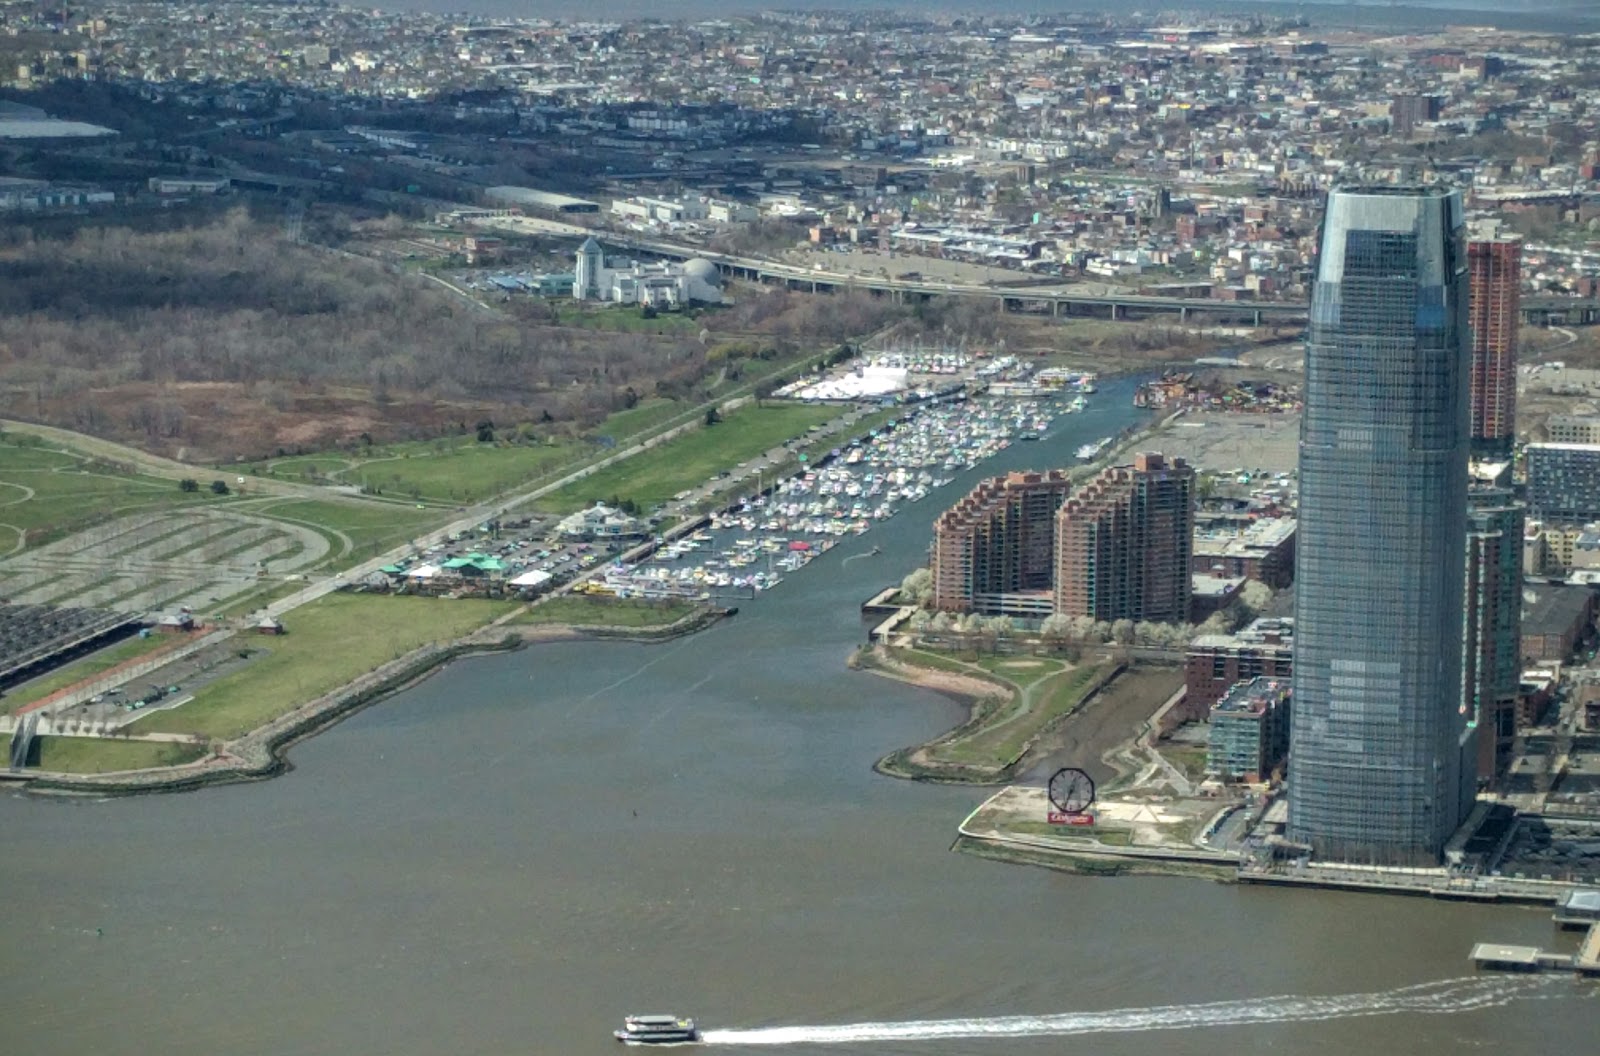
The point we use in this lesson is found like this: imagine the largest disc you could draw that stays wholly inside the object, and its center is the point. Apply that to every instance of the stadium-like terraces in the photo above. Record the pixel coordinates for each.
(36, 637)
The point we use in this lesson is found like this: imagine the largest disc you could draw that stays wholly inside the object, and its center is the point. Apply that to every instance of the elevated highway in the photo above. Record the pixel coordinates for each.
(1037, 296)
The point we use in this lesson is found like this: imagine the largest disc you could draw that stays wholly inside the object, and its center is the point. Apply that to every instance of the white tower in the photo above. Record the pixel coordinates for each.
(586, 280)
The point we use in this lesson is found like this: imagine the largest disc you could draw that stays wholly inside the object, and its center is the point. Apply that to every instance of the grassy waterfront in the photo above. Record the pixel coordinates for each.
(592, 611)
(1031, 695)
(102, 755)
(330, 643)
(654, 476)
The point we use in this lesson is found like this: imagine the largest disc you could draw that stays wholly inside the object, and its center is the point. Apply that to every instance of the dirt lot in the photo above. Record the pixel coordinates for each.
(1109, 720)
(1223, 442)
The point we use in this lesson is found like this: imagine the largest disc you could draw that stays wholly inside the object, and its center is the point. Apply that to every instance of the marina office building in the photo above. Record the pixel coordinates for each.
(1383, 759)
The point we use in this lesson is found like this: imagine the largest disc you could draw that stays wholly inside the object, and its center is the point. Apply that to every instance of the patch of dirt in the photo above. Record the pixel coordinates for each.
(1111, 718)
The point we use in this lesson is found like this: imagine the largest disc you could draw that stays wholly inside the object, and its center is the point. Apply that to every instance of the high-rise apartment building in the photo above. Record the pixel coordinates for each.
(1383, 761)
(994, 551)
(1406, 112)
(1494, 268)
(1492, 635)
(1123, 543)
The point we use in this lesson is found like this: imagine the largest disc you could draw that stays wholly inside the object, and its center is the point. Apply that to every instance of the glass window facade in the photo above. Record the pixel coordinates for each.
(1379, 740)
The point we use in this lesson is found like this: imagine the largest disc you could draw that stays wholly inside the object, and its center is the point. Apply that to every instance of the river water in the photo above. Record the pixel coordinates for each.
(506, 858)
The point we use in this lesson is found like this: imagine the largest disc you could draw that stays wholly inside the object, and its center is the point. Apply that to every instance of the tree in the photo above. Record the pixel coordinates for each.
(485, 431)
(918, 586)
(712, 417)
(1001, 626)
(1255, 596)
(188, 484)
(1122, 632)
(219, 487)
(941, 623)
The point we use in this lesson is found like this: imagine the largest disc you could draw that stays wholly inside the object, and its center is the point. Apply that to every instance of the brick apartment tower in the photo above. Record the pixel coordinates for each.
(1494, 310)
(998, 540)
(1123, 543)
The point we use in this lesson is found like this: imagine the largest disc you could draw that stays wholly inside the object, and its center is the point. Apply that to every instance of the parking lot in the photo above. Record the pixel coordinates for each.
(521, 545)
(155, 562)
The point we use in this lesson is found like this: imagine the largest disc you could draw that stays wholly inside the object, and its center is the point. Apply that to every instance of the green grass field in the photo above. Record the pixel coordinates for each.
(449, 471)
(1043, 690)
(47, 492)
(357, 528)
(591, 611)
(329, 644)
(1044, 700)
(79, 670)
(654, 476)
(102, 755)
(645, 415)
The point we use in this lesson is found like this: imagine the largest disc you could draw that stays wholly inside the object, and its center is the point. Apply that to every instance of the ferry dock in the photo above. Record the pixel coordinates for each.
(1579, 909)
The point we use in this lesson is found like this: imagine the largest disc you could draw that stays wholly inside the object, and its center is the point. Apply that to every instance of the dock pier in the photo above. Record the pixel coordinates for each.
(1580, 909)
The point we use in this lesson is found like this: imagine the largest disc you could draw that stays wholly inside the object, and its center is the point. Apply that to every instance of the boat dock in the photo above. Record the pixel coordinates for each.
(1578, 909)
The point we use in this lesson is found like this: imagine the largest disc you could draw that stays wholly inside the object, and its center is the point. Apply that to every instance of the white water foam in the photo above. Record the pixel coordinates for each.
(1444, 997)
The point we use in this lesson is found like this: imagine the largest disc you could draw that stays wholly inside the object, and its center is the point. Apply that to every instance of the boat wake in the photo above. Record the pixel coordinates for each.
(1438, 998)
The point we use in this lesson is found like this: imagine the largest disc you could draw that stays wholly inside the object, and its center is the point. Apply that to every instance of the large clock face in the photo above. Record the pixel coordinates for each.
(1071, 790)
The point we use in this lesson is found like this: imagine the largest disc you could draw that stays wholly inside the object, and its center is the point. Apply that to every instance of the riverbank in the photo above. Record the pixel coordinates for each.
(1014, 702)
(263, 752)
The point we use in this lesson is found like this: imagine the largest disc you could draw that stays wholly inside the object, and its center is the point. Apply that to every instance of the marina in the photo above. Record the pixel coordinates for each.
(750, 546)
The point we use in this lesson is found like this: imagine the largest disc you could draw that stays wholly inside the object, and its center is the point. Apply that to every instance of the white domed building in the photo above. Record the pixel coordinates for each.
(660, 284)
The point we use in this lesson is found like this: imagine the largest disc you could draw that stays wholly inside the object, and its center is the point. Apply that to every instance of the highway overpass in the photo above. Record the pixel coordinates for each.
(1048, 298)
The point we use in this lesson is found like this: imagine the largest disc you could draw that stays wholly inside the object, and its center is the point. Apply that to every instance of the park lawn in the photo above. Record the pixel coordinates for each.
(47, 491)
(371, 527)
(654, 476)
(1024, 669)
(307, 467)
(591, 611)
(103, 755)
(330, 643)
(461, 472)
(1041, 702)
(646, 415)
(1087, 835)
(939, 661)
(448, 470)
(80, 670)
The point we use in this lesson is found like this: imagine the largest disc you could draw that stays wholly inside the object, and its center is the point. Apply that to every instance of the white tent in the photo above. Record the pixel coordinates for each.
(531, 578)
(423, 572)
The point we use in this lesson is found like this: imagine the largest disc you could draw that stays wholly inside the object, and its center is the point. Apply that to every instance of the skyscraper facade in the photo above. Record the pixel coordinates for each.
(1123, 543)
(1494, 268)
(1382, 758)
(1492, 638)
(993, 551)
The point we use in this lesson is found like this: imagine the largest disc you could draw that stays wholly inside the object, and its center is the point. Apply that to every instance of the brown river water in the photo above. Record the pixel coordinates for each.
(511, 855)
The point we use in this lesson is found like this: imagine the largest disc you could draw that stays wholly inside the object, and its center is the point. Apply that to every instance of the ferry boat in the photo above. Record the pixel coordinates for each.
(657, 1030)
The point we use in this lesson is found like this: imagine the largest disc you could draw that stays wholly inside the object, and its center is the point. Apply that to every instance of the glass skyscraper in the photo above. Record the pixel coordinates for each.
(1381, 761)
